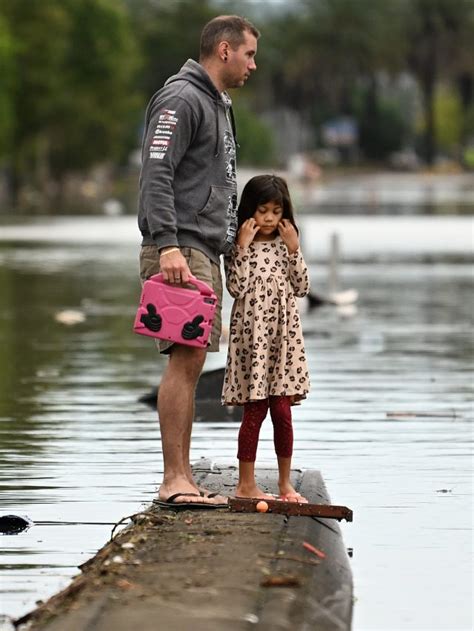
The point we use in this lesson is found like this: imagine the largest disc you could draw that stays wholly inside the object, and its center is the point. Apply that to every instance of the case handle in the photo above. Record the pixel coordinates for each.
(200, 284)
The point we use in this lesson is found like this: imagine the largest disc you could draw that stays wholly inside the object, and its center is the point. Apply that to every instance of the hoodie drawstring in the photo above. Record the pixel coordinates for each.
(230, 118)
(216, 150)
(234, 129)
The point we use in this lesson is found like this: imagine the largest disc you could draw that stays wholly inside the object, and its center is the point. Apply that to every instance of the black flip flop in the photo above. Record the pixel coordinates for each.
(211, 495)
(171, 504)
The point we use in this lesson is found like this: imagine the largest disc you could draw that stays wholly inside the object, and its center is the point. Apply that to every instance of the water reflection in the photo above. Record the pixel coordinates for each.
(77, 448)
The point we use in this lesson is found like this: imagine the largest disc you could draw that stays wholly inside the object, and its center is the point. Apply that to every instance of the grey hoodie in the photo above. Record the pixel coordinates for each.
(188, 191)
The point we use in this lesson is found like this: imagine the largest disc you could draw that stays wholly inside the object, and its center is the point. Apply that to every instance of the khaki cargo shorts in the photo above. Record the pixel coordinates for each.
(203, 269)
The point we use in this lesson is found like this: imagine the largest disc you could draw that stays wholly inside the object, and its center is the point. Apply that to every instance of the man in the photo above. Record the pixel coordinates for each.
(187, 216)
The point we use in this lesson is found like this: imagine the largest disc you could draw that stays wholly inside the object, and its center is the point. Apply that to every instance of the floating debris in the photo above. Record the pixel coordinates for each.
(447, 414)
(13, 524)
(70, 317)
(346, 297)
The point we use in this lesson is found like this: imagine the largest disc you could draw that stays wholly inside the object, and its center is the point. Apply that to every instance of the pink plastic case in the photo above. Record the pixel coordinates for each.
(174, 313)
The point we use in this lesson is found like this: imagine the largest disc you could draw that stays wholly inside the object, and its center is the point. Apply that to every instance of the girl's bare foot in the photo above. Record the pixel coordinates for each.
(252, 492)
(289, 494)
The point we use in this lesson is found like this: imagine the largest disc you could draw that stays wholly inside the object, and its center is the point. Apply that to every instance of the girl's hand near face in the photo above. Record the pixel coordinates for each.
(289, 235)
(247, 233)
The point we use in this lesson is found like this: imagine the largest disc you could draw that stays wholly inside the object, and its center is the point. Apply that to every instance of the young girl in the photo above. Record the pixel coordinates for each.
(266, 364)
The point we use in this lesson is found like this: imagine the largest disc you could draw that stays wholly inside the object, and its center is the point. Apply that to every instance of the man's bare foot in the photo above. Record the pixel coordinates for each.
(252, 492)
(212, 495)
(289, 494)
(188, 492)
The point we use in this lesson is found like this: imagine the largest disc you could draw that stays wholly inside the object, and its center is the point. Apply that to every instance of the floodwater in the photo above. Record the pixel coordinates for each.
(388, 421)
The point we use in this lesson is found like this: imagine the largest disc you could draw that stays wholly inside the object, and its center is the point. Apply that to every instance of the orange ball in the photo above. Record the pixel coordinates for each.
(262, 507)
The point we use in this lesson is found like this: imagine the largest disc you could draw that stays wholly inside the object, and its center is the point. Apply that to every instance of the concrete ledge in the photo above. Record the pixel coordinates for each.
(212, 570)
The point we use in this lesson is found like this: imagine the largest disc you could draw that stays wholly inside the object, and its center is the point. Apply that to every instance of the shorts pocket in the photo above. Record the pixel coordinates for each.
(149, 261)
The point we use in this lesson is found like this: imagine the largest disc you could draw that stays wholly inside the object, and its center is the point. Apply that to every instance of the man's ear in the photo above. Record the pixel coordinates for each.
(223, 50)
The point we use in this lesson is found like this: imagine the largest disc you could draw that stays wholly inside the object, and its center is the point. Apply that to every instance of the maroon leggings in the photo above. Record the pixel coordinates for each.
(253, 417)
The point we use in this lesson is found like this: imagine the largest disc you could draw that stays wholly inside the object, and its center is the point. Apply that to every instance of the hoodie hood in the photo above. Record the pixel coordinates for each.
(194, 73)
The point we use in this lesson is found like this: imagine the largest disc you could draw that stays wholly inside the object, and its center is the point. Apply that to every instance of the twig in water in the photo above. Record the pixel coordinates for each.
(121, 522)
(451, 414)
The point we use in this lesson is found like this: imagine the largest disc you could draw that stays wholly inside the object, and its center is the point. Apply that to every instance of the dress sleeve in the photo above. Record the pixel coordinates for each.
(299, 276)
(236, 266)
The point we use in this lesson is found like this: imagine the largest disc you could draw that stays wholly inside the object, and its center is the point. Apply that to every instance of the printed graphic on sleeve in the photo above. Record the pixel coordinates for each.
(163, 133)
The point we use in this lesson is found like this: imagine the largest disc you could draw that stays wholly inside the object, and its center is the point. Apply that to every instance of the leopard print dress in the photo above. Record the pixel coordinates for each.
(266, 355)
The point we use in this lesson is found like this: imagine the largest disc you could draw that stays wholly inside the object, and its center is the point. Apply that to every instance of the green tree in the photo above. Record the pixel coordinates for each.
(440, 45)
(98, 103)
(6, 87)
(316, 54)
(385, 132)
(37, 66)
(169, 34)
(332, 44)
(255, 139)
(448, 119)
(72, 98)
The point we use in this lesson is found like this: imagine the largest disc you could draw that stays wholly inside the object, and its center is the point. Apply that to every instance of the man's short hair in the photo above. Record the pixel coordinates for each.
(230, 28)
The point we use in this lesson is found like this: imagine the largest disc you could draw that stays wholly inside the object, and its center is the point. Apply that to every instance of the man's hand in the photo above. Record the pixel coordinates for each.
(174, 266)
(289, 235)
(247, 233)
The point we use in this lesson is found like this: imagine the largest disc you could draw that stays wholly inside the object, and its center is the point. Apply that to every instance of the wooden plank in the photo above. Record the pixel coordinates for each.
(293, 509)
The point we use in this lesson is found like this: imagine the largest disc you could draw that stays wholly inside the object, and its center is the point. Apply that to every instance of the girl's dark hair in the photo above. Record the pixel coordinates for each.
(262, 189)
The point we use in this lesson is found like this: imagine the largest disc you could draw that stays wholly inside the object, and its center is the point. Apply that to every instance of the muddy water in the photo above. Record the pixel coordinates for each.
(388, 421)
